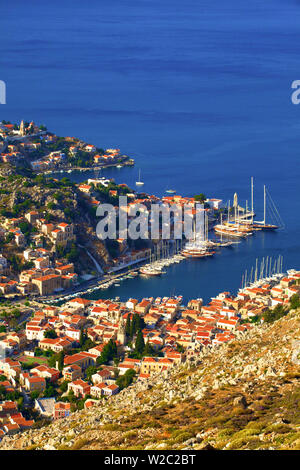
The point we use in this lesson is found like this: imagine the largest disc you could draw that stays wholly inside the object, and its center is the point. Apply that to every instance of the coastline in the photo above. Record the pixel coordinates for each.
(67, 169)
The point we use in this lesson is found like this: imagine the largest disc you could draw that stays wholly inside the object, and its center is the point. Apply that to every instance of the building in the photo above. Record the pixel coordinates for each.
(79, 387)
(61, 410)
(35, 383)
(45, 406)
(154, 365)
(47, 284)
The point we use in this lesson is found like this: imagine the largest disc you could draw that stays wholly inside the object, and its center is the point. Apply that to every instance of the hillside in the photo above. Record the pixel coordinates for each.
(22, 191)
(243, 395)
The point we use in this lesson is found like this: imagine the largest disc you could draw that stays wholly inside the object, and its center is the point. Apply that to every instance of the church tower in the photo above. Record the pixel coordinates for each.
(22, 128)
(121, 335)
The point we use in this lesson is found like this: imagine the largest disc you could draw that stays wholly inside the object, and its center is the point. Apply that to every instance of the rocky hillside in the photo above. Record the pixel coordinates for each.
(243, 395)
(59, 201)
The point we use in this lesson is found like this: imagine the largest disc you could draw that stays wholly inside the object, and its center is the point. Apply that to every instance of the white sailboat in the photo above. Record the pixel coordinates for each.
(262, 223)
(170, 191)
(139, 182)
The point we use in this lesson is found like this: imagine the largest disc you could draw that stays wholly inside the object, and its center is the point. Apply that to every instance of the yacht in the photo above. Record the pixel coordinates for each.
(139, 182)
(170, 191)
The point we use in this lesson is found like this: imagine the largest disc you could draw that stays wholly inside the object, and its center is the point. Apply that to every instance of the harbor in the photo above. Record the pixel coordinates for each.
(235, 233)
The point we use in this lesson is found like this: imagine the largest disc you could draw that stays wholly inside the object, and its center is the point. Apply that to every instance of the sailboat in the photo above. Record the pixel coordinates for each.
(139, 182)
(200, 247)
(228, 228)
(262, 224)
(170, 191)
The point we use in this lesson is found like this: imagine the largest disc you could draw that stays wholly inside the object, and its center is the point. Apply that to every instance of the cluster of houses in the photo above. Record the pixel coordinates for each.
(27, 138)
(49, 162)
(172, 331)
(46, 275)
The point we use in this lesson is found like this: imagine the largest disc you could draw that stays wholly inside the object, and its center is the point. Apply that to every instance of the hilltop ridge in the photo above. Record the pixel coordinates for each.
(241, 395)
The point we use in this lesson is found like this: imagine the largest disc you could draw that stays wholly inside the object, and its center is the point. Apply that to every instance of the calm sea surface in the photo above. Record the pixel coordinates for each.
(198, 92)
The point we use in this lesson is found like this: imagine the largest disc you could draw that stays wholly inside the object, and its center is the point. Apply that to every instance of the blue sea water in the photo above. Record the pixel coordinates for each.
(198, 92)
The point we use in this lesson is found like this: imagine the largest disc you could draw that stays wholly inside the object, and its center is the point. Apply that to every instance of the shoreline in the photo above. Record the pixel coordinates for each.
(67, 169)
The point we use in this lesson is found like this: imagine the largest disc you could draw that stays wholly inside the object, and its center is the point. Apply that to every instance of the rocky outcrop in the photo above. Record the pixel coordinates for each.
(240, 395)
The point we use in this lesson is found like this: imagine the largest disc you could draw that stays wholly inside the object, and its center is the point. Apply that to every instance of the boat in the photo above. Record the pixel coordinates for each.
(119, 166)
(139, 182)
(201, 246)
(263, 225)
(170, 191)
(196, 252)
(229, 231)
(148, 271)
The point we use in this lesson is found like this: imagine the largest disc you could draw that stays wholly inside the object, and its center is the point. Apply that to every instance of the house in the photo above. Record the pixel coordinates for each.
(153, 365)
(41, 263)
(214, 203)
(61, 410)
(101, 376)
(46, 372)
(110, 390)
(71, 373)
(90, 148)
(143, 307)
(82, 359)
(97, 390)
(32, 216)
(227, 324)
(35, 383)
(85, 188)
(79, 387)
(47, 284)
(57, 344)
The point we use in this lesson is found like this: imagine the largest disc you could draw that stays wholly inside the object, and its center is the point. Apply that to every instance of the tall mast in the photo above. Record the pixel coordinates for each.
(264, 204)
(251, 274)
(252, 200)
(228, 210)
(221, 227)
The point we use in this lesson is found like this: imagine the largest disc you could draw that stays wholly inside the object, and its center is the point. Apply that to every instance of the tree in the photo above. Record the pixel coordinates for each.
(64, 386)
(139, 343)
(137, 323)
(50, 392)
(51, 334)
(200, 198)
(71, 396)
(34, 394)
(272, 315)
(128, 327)
(148, 350)
(109, 352)
(91, 370)
(295, 301)
(60, 360)
(73, 254)
(125, 380)
(38, 352)
(81, 337)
